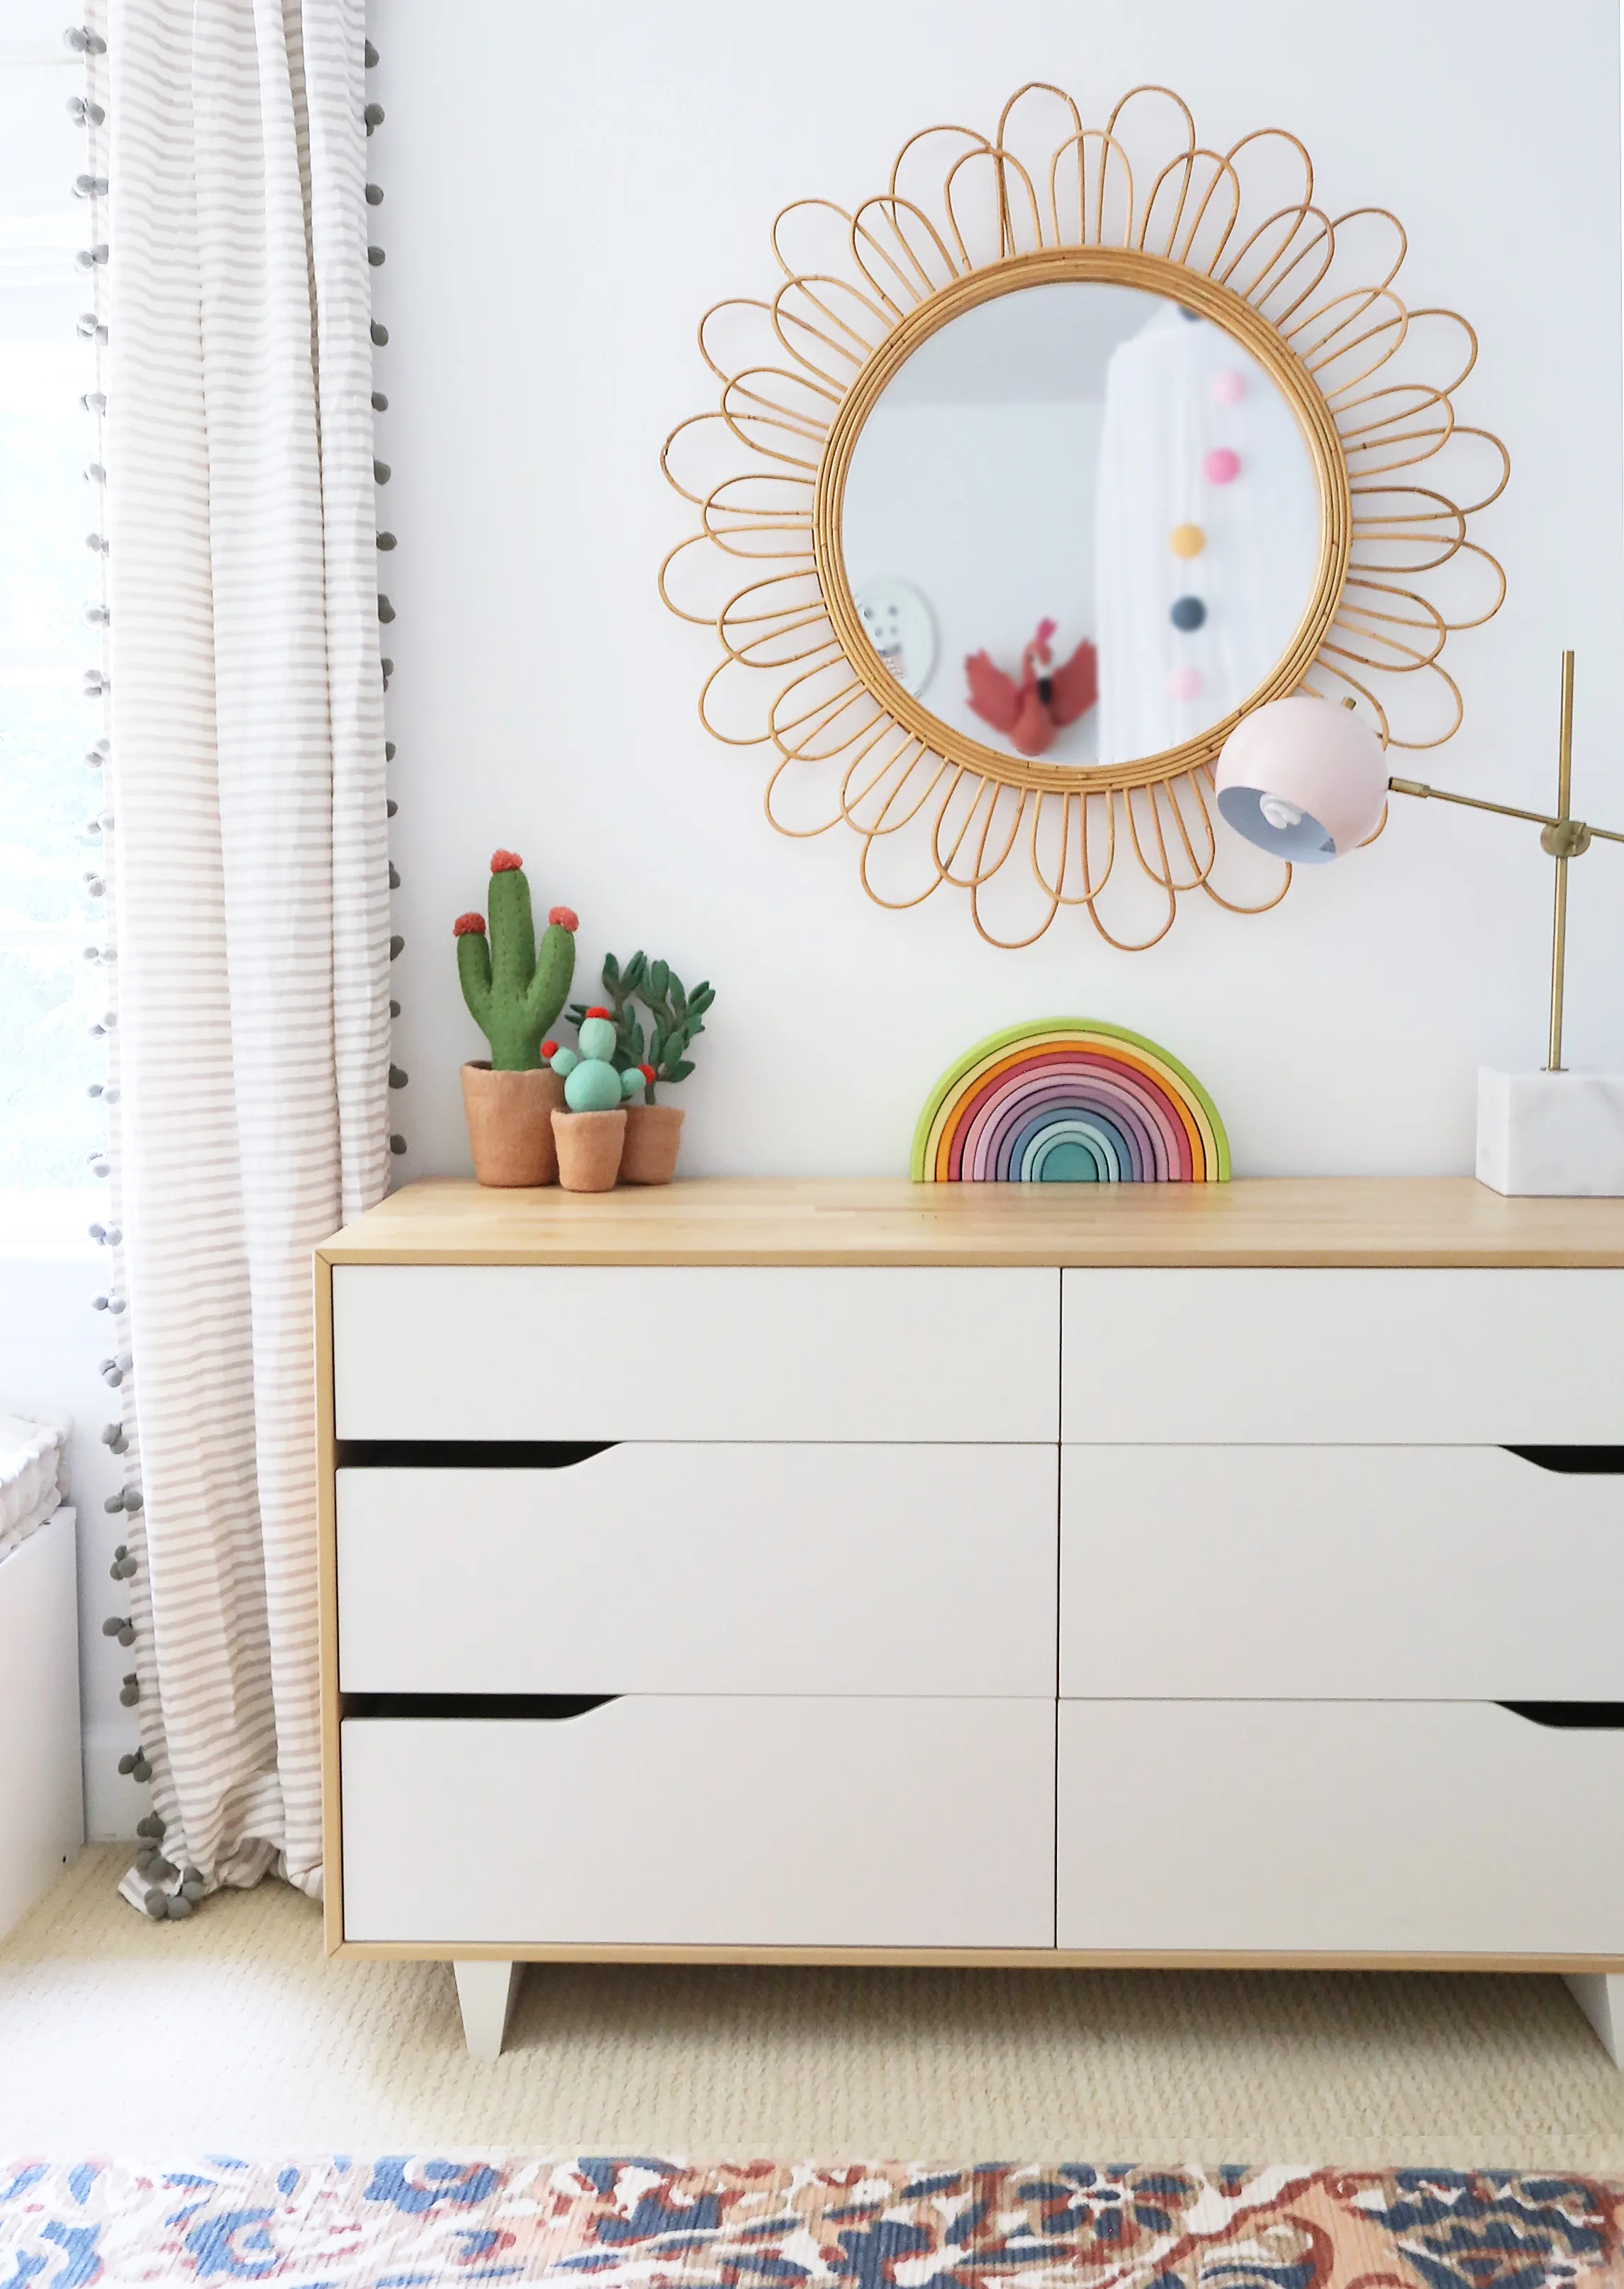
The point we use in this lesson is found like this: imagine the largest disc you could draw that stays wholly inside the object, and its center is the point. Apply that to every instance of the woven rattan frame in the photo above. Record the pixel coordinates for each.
(1309, 298)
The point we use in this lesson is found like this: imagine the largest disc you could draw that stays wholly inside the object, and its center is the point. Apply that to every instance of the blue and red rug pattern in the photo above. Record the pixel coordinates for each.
(408, 2222)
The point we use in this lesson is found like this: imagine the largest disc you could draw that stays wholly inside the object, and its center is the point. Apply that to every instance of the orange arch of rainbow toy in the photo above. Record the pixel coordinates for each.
(1069, 1100)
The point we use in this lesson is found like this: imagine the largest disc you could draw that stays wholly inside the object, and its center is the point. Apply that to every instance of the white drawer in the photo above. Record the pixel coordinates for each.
(1474, 1358)
(1340, 1827)
(705, 1569)
(613, 1351)
(1434, 1573)
(697, 1822)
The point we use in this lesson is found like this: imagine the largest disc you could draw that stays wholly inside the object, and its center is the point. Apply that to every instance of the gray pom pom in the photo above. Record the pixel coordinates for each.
(151, 1823)
(128, 1694)
(178, 1907)
(157, 1904)
(141, 1770)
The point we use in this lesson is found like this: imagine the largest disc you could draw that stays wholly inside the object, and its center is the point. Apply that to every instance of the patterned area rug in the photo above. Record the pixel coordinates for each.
(402, 2220)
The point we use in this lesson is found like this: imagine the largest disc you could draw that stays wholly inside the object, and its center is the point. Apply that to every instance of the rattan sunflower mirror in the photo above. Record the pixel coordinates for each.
(1040, 469)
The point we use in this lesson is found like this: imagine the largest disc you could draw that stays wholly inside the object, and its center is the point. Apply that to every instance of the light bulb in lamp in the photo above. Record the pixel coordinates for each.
(1302, 779)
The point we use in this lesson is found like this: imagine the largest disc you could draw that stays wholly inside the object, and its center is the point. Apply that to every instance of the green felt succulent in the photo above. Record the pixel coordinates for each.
(675, 1018)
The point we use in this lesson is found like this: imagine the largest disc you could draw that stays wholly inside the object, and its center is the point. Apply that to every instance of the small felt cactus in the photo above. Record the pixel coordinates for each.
(513, 992)
(591, 1082)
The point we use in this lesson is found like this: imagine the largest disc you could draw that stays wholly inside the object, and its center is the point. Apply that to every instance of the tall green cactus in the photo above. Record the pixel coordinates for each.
(514, 993)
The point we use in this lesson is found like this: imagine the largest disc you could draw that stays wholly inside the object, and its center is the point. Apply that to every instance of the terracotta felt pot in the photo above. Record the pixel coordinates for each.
(510, 1124)
(589, 1146)
(653, 1134)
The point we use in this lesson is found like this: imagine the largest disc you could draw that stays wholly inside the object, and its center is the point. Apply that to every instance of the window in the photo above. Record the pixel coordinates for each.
(50, 995)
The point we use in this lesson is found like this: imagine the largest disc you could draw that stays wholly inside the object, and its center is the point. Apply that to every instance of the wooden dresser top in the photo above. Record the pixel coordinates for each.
(1447, 1220)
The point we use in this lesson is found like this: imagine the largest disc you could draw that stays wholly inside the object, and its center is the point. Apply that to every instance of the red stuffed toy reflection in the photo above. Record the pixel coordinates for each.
(1030, 713)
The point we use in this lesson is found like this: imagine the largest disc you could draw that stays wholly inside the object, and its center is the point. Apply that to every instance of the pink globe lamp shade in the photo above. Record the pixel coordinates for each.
(1302, 779)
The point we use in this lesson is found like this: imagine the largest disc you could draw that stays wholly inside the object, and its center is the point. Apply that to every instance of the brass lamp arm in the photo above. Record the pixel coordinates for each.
(1562, 838)
(1576, 831)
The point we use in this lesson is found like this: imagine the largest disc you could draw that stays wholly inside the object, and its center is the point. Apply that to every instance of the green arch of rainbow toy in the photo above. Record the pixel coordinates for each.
(1069, 1100)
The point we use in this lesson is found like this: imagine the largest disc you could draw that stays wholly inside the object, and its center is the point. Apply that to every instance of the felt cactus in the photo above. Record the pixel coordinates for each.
(675, 1016)
(513, 992)
(593, 1082)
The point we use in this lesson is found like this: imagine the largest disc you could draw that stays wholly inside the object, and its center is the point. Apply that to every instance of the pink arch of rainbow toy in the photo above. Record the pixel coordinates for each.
(1169, 1148)
(1072, 1067)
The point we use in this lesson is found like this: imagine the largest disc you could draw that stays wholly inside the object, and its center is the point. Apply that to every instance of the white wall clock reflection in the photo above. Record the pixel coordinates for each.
(901, 626)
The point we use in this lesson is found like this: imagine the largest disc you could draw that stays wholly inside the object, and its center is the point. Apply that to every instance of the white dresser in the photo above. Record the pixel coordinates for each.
(871, 1572)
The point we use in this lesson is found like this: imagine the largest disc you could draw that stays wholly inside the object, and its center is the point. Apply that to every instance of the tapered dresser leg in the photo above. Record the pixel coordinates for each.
(1600, 1996)
(486, 1993)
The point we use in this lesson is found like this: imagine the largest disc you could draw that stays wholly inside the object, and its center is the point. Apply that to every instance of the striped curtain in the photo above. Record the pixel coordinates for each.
(251, 871)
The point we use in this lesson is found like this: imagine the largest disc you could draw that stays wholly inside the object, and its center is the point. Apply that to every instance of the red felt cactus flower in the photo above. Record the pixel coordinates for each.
(549, 1050)
(648, 1073)
(565, 917)
(505, 862)
(468, 925)
(597, 1010)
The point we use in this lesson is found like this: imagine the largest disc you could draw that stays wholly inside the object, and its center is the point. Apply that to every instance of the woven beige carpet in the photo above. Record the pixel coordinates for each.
(232, 2033)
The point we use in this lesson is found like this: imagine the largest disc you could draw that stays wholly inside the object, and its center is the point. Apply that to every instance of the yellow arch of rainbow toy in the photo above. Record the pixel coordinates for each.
(1194, 1106)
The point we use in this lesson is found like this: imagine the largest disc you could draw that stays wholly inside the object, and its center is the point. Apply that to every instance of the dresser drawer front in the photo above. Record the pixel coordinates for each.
(706, 1823)
(1420, 1572)
(613, 1351)
(1476, 1358)
(1340, 1827)
(705, 1569)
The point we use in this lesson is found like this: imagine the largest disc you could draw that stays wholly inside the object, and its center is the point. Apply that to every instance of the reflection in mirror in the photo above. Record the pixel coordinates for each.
(1106, 510)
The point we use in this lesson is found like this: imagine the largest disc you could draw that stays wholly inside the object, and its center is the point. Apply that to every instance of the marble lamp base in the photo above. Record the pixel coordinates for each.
(1557, 1134)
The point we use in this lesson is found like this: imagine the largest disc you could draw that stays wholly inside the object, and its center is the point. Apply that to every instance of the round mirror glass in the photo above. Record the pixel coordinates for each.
(1081, 522)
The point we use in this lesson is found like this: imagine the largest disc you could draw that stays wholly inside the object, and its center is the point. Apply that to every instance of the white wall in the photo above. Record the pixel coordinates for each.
(569, 188)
